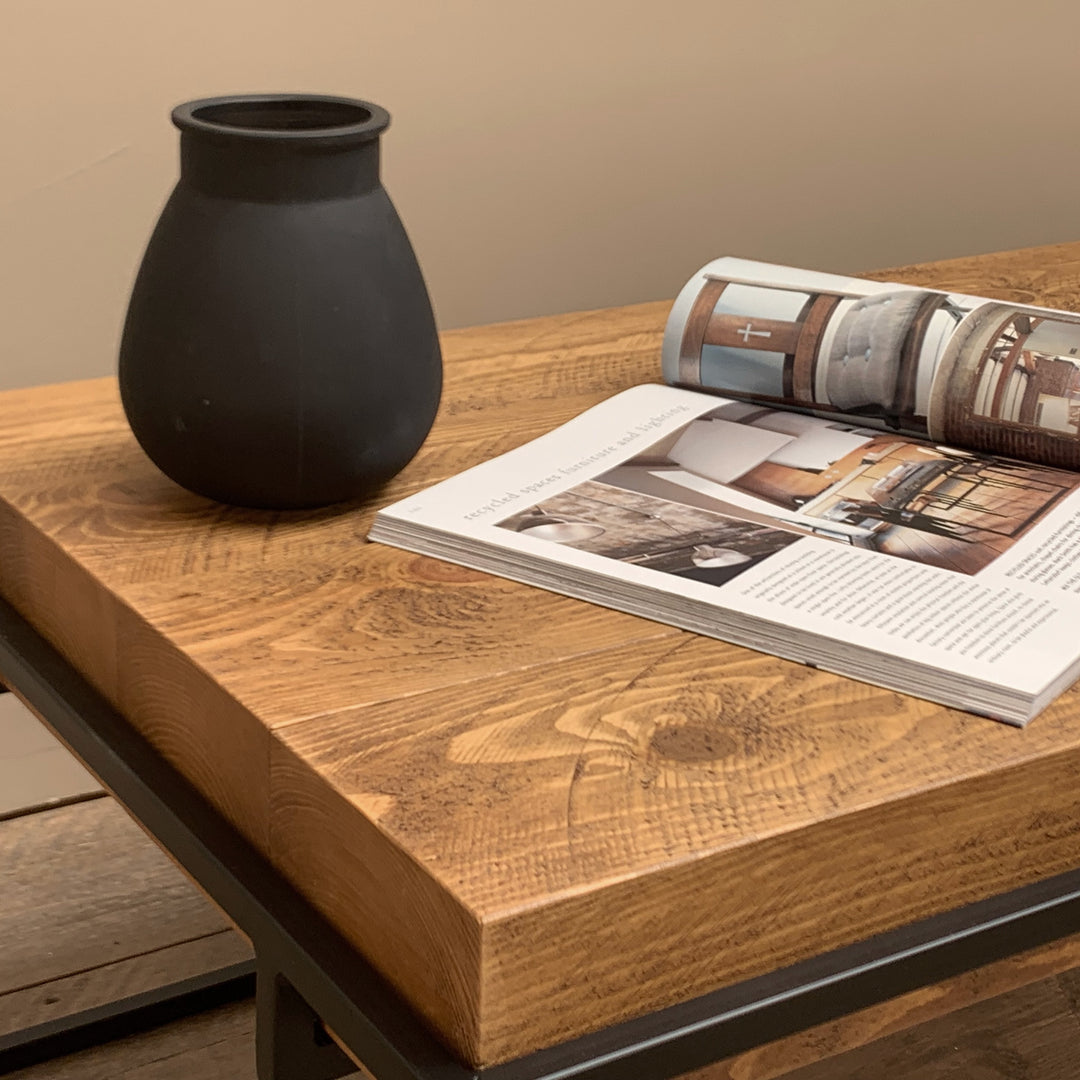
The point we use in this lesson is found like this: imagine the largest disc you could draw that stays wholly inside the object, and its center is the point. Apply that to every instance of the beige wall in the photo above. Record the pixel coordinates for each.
(548, 156)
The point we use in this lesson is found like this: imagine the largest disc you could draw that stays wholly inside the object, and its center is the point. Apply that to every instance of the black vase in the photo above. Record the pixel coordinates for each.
(280, 349)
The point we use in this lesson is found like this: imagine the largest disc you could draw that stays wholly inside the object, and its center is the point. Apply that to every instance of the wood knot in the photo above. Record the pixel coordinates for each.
(692, 743)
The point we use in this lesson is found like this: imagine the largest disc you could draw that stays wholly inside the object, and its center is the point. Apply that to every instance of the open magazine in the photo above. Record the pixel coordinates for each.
(874, 481)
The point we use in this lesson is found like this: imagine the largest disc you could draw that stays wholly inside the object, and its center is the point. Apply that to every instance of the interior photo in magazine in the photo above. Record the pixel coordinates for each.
(1010, 383)
(990, 376)
(728, 489)
(857, 350)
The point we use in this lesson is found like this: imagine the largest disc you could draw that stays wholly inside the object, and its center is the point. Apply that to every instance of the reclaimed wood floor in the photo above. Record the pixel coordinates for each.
(90, 911)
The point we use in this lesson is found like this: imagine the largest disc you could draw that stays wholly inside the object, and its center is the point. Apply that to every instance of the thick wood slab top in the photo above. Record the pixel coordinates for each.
(536, 816)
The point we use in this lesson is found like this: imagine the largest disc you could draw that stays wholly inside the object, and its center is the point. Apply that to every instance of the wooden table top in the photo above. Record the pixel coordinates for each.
(535, 816)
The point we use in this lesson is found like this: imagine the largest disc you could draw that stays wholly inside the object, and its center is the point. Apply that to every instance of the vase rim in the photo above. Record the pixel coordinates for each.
(311, 119)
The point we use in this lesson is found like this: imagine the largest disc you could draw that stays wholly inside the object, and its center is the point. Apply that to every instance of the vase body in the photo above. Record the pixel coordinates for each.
(280, 349)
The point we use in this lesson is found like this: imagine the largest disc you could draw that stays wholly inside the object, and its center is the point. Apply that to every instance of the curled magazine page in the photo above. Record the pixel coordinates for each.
(975, 373)
(815, 538)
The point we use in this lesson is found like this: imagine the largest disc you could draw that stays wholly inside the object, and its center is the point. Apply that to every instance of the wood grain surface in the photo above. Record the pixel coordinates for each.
(937, 1020)
(91, 911)
(216, 1045)
(536, 816)
(1026, 1035)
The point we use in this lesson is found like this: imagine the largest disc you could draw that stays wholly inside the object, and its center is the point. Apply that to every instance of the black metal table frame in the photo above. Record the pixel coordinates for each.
(308, 979)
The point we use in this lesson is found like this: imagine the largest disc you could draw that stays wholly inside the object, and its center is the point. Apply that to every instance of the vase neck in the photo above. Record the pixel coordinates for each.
(277, 172)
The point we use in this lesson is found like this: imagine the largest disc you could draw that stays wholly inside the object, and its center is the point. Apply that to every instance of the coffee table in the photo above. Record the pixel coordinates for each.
(475, 828)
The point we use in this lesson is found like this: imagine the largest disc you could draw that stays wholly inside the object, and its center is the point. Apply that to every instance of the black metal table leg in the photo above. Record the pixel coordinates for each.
(291, 1042)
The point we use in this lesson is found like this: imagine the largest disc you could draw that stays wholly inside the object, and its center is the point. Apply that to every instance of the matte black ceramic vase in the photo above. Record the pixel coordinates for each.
(280, 349)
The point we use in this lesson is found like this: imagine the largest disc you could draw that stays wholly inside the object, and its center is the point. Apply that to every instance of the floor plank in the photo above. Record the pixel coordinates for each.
(876, 1022)
(103, 985)
(217, 1045)
(93, 911)
(1029, 1034)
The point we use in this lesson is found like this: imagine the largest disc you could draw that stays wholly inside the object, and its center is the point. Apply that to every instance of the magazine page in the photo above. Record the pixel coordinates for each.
(704, 511)
(985, 375)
